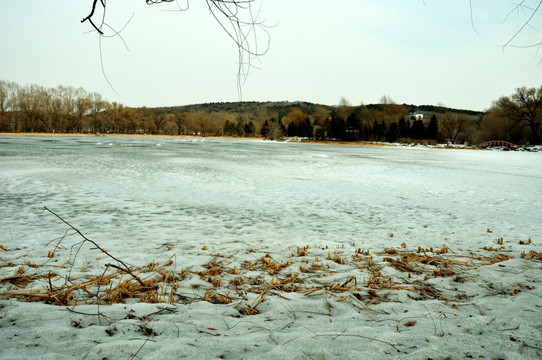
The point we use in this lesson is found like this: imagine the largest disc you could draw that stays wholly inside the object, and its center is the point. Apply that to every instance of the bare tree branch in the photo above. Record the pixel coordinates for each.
(238, 18)
(472, 18)
(530, 12)
(126, 267)
(526, 10)
(89, 17)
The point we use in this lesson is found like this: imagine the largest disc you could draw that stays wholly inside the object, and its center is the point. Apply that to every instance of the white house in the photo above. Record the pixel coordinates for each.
(420, 115)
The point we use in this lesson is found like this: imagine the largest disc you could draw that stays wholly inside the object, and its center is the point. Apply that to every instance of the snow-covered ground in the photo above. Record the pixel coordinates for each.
(258, 249)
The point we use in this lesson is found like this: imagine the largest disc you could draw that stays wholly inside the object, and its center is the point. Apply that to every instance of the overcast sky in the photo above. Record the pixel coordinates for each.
(416, 52)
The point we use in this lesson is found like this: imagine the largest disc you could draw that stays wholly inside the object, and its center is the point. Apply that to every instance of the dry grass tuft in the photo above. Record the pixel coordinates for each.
(361, 277)
(532, 255)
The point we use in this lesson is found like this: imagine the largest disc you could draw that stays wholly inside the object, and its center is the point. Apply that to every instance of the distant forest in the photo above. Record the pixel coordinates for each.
(35, 109)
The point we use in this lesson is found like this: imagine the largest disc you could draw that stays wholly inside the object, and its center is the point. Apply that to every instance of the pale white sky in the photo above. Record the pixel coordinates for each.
(416, 52)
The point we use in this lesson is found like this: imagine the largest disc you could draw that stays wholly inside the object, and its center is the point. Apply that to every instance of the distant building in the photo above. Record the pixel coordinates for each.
(420, 115)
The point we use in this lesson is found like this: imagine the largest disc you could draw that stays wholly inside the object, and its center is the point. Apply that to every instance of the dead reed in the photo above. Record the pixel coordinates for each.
(363, 276)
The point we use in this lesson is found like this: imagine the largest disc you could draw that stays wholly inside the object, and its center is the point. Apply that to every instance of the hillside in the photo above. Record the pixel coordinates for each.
(281, 108)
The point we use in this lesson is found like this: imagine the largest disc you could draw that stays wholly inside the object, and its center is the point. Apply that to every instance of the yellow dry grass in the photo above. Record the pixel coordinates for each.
(367, 278)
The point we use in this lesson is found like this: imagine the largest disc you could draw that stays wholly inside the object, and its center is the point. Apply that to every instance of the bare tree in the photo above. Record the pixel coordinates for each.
(6, 95)
(452, 125)
(180, 120)
(524, 109)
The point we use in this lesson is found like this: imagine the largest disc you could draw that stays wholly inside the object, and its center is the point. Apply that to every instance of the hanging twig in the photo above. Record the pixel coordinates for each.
(89, 17)
(238, 18)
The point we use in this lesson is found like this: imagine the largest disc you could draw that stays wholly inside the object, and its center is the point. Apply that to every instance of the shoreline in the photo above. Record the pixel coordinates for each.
(294, 140)
(104, 135)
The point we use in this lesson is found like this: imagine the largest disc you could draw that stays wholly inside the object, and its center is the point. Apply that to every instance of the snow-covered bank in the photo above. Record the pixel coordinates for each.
(368, 306)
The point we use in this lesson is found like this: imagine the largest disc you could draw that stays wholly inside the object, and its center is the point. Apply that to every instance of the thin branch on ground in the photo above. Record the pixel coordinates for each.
(126, 268)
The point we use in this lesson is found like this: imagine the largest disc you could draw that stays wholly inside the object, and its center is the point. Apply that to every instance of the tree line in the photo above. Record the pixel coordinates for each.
(33, 108)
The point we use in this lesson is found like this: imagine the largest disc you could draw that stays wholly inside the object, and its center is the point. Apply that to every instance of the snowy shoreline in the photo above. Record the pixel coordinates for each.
(237, 302)
(420, 144)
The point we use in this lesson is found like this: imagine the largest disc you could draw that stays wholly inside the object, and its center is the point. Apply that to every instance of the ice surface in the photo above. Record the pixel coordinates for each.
(216, 190)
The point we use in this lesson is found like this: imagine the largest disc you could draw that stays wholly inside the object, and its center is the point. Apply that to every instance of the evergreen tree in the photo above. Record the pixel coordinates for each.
(292, 129)
(337, 128)
(353, 122)
(379, 130)
(240, 130)
(250, 129)
(408, 129)
(230, 128)
(265, 129)
(282, 127)
(306, 129)
(327, 129)
(402, 128)
(432, 128)
(393, 132)
(418, 130)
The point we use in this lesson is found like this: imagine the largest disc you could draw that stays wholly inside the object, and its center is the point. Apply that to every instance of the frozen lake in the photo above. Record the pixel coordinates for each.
(181, 190)
(254, 249)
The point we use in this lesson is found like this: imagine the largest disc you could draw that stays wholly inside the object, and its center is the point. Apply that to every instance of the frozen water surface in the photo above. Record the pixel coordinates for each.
(212, 190)
(239, 201)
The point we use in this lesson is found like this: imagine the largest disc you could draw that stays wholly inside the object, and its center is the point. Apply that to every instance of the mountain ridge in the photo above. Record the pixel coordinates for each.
(283, 107)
